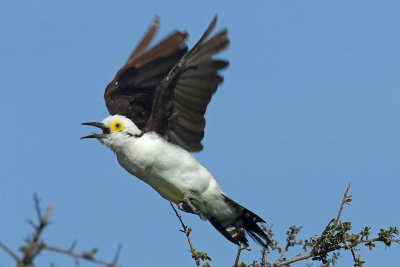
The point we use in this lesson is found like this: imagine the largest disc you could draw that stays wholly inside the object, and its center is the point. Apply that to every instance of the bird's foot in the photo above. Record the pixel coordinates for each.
(190, 203)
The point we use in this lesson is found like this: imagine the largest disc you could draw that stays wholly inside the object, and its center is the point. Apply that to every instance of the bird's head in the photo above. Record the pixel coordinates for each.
(115, 128)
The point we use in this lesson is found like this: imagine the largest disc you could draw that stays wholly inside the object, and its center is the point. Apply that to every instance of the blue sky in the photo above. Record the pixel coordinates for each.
(310, 102)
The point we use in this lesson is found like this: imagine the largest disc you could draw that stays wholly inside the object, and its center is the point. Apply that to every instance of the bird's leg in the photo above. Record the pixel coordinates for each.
(190, 203)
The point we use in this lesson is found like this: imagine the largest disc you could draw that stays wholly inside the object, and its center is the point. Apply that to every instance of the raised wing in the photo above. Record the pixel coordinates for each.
(132, 90)
(181, 99)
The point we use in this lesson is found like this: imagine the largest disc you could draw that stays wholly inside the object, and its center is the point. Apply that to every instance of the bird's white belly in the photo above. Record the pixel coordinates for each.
(171, 172)
(165, 187)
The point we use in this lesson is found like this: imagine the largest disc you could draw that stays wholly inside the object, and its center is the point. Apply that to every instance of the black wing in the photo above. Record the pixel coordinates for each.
(132, 90)
(181, 99)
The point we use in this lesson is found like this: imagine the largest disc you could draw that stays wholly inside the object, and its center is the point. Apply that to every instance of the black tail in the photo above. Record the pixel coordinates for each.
(245, 222)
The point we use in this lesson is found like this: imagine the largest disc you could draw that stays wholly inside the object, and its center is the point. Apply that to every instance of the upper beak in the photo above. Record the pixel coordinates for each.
(100, 125)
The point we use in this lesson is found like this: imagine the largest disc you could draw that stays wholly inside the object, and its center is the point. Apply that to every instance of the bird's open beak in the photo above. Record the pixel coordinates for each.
(100, 125)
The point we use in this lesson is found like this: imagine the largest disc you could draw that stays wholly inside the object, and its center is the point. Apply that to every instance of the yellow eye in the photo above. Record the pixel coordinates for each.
(116, 126)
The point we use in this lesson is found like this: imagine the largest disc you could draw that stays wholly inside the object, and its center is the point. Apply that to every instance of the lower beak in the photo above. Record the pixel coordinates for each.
(100, 125)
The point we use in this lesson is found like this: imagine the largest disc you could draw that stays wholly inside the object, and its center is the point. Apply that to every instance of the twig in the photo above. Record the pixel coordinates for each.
(340, 209)
(354, 257)
(73, 245)
(37, 207)
(378, 239)
(332, 231)
(44, 221)
(31, 251)
(281, 254)
(237, 255)
(34, 245)
(10, 252)
(265, 257)
(240, 248)
(116, 257)
(265, 251)
(333, 220)
(311, 254)
(292, 260)
(186, 230)
(291, 236)
(85, 256)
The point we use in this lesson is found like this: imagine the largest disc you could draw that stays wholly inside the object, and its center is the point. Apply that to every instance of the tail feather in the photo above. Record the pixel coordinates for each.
(233, 234)
(245, 223)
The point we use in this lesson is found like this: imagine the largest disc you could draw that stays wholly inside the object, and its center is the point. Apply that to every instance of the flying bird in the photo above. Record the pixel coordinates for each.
(157, 103)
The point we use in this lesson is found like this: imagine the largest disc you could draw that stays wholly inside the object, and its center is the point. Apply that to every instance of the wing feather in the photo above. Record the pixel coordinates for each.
(198, 104)
(167, 89)
(181, 100)
(164, 48)
(211, 47)
(187, 113)
(197, 126)
(193, 146)
(132, 90)
(144, 43)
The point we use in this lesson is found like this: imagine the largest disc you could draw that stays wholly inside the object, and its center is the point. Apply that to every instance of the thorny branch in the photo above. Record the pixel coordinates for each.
(290, 241)
(335, 237)
(292, 234)
(196, 255)
(335, 221)
(35, 245)
(240, 248)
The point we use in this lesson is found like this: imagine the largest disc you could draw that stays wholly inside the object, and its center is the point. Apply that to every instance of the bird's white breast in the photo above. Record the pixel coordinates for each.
(169, 169)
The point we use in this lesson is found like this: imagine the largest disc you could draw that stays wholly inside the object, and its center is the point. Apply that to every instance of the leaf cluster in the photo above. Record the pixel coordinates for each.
(326, 247)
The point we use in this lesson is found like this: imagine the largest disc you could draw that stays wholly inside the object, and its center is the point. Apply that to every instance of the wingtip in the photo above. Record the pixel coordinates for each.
(156, 21)
(212, 24)
(145, 41)
(214, 20)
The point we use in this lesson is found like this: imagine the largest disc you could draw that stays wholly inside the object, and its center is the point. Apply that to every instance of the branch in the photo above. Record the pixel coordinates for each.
(335, 237)
(240, 248)
(323, 234)
(378, 240)
(89, 255)
(197, 256)
(31, 251)
(10, 252)
(34, 245)
(264, 258)
(344, 201)
(186, 230)
(311, 254)
(290, 241)
(292, 260)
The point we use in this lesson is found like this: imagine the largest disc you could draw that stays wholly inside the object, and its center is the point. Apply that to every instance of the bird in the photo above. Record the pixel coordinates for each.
(157, 103)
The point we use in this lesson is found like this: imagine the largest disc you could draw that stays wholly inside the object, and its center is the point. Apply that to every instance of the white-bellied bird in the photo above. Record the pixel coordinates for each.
(157, 103)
